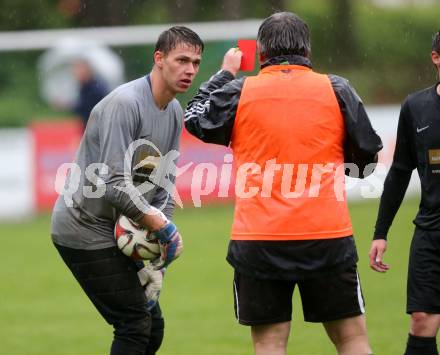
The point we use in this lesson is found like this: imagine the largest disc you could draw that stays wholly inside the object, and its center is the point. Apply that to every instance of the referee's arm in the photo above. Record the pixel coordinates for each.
(211, 113)
(395, 186)
(398, 177)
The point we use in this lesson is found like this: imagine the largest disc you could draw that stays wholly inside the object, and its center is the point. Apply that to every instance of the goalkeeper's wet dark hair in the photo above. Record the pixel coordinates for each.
(283, 33)
(436, 42)
(169, 39)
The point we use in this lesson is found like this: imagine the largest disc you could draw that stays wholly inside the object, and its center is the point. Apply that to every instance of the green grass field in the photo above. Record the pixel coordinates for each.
(43, 311)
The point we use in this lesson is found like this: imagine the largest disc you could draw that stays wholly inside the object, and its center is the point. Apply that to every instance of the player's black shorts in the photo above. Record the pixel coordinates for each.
(423, 288)
(324, 299)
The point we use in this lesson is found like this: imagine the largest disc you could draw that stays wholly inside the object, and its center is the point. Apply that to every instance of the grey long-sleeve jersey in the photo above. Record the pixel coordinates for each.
(125, 163)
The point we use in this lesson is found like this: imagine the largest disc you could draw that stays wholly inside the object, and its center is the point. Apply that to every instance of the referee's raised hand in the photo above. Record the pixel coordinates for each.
(377, 250)
(232, 60)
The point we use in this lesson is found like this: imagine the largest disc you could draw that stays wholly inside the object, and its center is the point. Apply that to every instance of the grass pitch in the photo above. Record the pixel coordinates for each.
(43, 311)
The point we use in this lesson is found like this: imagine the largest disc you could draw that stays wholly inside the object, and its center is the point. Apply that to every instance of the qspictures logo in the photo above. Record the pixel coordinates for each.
(146, 169)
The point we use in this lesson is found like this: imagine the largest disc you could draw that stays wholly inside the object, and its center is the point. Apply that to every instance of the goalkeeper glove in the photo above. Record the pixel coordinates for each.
(170, 245)
(152, 281)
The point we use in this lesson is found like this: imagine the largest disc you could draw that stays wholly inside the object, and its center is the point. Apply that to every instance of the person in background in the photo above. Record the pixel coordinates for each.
(92, 89)
(417, 147)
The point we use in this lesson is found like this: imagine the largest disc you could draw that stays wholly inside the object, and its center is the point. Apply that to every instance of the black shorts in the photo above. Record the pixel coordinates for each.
(110, 280)
(423, 288)
(324, 299)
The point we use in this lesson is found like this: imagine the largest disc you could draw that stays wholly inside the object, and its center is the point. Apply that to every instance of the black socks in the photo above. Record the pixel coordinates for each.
(421, 345)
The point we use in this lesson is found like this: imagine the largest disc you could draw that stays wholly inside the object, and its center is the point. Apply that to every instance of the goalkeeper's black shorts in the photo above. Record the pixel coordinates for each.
(324, 299)
(110, 280)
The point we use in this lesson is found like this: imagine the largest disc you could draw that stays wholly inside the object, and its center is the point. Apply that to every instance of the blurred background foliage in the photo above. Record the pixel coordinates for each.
(383, 51)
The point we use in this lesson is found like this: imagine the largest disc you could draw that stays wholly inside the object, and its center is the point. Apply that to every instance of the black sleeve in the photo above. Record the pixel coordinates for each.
(210, 115)
(362, 143)
(398, 177)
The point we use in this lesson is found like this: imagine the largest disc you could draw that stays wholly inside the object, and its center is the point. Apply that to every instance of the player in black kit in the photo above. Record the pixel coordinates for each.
(417, 146)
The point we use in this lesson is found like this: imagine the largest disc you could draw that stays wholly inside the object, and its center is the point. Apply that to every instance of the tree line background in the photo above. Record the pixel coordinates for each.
(383, 51)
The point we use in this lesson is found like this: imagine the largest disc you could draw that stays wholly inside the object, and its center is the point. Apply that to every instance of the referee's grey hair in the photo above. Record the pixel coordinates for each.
(436, 42)
(283, 33)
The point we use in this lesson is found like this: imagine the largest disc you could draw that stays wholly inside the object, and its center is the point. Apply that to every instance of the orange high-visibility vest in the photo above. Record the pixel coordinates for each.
(289, 115)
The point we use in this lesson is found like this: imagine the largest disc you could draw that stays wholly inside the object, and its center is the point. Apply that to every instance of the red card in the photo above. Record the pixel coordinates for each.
(248, 47)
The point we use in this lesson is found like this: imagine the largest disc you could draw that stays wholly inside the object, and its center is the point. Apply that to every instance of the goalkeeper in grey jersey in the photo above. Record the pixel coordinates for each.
(126, 165)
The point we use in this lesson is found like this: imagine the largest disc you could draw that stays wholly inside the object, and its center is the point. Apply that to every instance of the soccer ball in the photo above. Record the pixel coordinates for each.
(133, 240)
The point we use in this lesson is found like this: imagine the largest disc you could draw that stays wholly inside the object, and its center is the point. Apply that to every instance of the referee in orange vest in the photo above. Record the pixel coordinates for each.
(291, 131)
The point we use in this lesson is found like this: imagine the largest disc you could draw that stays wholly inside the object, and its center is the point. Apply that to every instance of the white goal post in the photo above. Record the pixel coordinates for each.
(126, 35)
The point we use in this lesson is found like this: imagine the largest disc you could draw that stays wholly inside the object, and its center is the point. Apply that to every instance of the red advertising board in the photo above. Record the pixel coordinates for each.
(207, 167)
(55, 143)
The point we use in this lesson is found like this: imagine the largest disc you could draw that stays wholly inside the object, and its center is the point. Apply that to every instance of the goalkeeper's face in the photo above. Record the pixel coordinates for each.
(179, 66)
